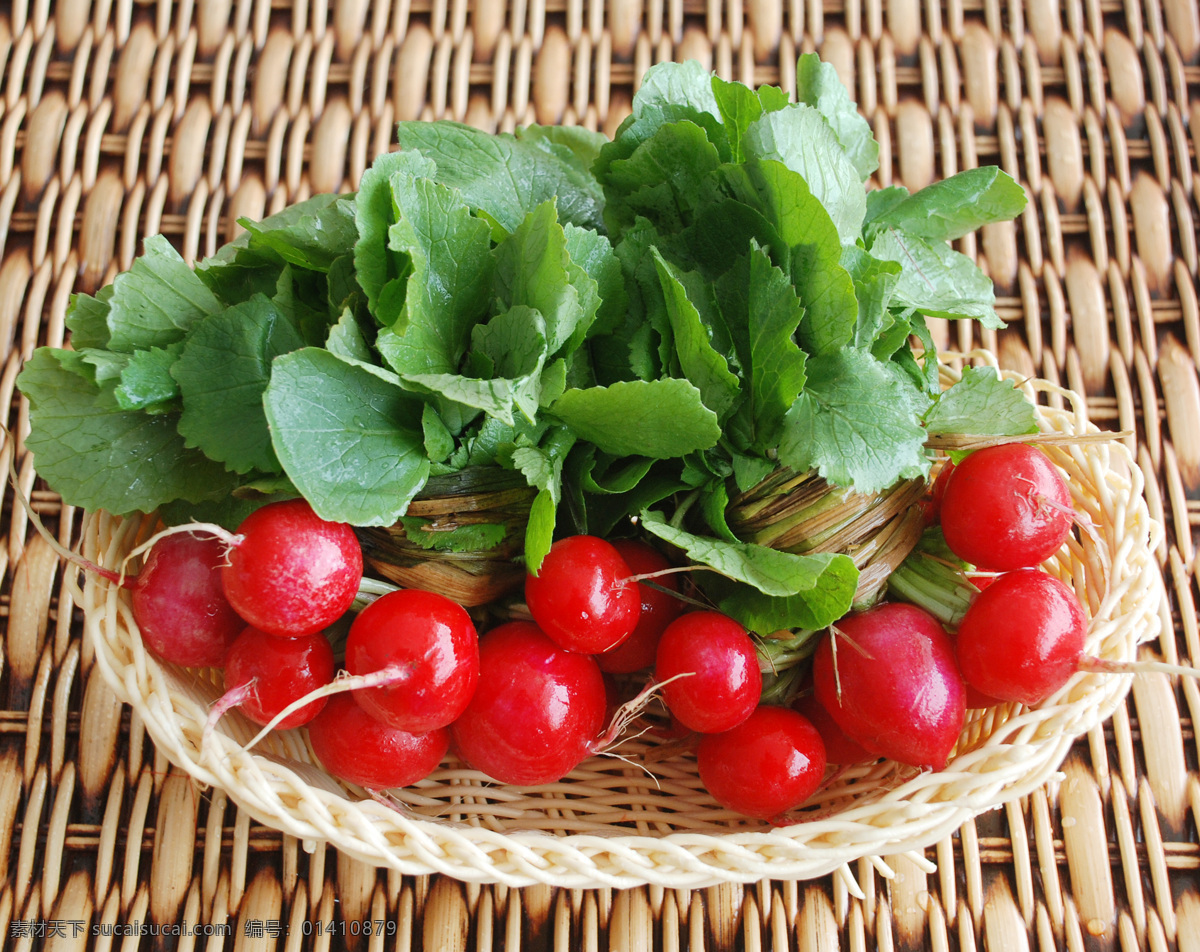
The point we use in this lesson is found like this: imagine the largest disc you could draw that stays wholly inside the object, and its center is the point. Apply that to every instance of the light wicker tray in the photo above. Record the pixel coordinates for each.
(121, 120)
(633, 819)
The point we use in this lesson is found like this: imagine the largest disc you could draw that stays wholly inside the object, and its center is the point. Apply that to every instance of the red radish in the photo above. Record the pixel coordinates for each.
(538, 711)
(581, 596)
(712, 668)
(290, 572)
(265, 673)
(1007, 507)
(839, 749)
(932, 504)
(659, 609)
(768, 764)
(894, 685)
(355, 747)
(1022, 638)
(179, 605)
(432, 644)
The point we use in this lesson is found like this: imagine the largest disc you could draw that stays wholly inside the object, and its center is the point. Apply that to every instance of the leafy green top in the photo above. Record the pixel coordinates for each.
(665, 316)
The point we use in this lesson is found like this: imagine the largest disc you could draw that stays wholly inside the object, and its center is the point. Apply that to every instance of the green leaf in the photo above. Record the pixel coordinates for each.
(146, 381)
(936, 280)
(576, 146)
(805, 228)
(439, 441)
(739, 106)
(382, 270)
(512, 346)
(534, 270)
(701, 363)
(856, 424)
(982, 403)
(508, 177)
(539, 532)
(157, 300)
(346, 339)
(346, 437)
(776, 365)
(222, 374)
(449, 286)
(87, 319)
(313, 239)
(594, 253)
(830, 598)
(874, 281)
(669, 93)
(818, 85)
(823, 583)
(957, 205)
(98, 456)
(655, 418)
(803, 140)
(881, 200)
(474, 537)
(663, 179)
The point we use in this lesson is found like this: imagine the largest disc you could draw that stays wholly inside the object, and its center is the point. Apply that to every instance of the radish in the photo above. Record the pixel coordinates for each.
(931, 505)
(839, 749)
(659, 608)
(179, 604)
(1022, 638)
(768, 764)
(708, 670)
(265, 674)
(431, 645)
(290, 572)
(1006, 507)
(582, 597)
(889, 678)
(358, 749)
(538, 711)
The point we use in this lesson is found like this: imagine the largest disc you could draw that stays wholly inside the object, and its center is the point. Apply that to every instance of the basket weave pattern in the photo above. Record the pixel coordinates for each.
(122, 120)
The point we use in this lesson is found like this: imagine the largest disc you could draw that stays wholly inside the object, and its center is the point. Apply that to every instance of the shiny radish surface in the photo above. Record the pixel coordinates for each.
(1006, 507)
(273, 672)
(431, 644)
(538, 711)
(355, 747)
(581, 597)
(889, 678)
(179, 604)
(290, 572)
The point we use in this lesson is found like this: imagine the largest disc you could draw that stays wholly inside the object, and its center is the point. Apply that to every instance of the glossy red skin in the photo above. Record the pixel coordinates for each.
(537, 712)
(1007, 507)
(293, 573)
(179, 604)
(659, 609)
(579, 597)
(901, 695)
(724, 682)
(1022, 638)
(430, 636)
(839, 749)
(286, 669)
(358, 749)
(932, 504)
(770, 763)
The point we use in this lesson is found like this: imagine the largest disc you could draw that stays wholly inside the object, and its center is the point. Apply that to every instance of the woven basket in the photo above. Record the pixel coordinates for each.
(615, 823)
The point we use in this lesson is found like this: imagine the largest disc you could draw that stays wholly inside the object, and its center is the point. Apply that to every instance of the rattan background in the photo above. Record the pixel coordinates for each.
(121, 119)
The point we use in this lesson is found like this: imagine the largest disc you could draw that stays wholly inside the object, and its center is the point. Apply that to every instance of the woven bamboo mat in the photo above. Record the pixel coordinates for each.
(119, 120)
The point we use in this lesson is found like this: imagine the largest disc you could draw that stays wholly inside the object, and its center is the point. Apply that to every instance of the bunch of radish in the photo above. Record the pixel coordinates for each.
(529, 700)
(897, 683)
